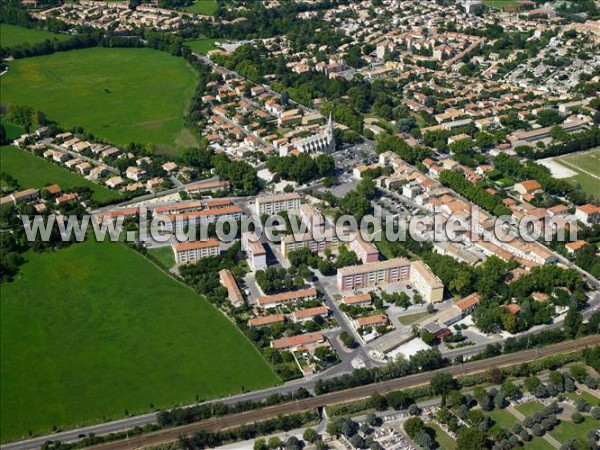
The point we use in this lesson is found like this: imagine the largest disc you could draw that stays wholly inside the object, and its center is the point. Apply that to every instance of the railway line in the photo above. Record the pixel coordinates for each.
(220, 423)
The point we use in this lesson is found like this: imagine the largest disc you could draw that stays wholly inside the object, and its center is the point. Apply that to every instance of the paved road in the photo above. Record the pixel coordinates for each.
(302, 405)
(220, 423)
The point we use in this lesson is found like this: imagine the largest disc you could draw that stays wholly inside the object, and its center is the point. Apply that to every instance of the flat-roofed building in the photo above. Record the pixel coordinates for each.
(271, 204)
(298, 342)
(190, 252)
(305, 315)
(292, 297)
(426, 283)
(373, 274)
(265, 321)
(311, 217)
(234, 294)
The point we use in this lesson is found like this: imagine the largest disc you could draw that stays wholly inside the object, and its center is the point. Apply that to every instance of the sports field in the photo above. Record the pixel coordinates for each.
(587, 167)
(13, 35)
(122, 95)
(203, 45)
(205, 7)
(34, 172)
(94, 330)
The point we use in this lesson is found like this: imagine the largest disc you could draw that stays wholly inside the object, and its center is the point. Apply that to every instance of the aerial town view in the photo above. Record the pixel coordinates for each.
(300, 224)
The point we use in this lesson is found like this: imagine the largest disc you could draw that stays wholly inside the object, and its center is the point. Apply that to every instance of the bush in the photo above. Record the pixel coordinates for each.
(577, 417)
(596, 413)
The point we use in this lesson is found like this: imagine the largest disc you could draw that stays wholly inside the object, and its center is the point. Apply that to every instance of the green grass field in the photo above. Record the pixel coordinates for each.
(34, 172)
(13, 35)
(95, 329)
(538, 443)
(203, 45)
(164, 255)
(591, 399)
(587, 167)
(412, 318)
(567, 430)
(500, 3)
(205, 7)
(442, 438)
(529, 408)
(101, 89)
(502, 418)
(13, 130)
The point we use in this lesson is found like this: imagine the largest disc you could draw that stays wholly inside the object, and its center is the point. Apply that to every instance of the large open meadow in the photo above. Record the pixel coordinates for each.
(122, 95)
(94, 330)
(33, 172)
(13, 35)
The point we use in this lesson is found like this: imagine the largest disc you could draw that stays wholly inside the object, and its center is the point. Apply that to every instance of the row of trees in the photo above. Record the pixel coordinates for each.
(477, 194)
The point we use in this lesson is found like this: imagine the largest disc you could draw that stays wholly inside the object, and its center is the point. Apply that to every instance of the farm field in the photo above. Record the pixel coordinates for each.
(33, 172)
(95, 331)
(203, 45)
(587, 167)
(100, 90)
(13, 130)
(13, 35)
(205, 7)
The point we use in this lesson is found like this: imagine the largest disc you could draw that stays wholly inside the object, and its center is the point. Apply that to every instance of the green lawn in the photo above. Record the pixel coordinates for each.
(529, 408)
(34, 172)
(587, 167)
(94, 330)
(538, 443)
(205, 7)
(567, 430)
(412, 318)
(164, 255)
(13, 35)
(203, 45)
(500, 3)
(442, 438)
(591, 399)
(502, 418)
(122, 95)
(13, 130)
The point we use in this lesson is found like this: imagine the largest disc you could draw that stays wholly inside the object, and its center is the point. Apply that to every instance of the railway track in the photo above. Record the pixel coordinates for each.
(235, 420)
